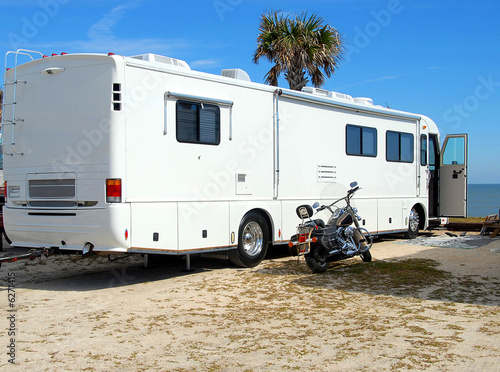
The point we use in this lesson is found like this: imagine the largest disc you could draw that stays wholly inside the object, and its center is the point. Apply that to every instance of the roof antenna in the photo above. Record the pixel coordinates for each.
(387, 104)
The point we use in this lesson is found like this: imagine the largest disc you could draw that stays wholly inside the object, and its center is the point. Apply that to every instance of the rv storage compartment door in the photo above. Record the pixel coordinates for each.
(453, 176)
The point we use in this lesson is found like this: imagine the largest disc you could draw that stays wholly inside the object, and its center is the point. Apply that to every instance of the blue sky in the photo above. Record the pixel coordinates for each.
(436, 58)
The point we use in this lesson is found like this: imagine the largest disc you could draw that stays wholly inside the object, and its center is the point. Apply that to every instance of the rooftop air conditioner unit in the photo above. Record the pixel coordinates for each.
(236, 73)
(343, 96)
(364, 100)
(316, 91)
(162, 59)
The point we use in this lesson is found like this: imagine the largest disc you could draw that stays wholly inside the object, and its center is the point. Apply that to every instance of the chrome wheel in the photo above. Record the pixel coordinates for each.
(413, 224)
(414, 220)
(253, 238)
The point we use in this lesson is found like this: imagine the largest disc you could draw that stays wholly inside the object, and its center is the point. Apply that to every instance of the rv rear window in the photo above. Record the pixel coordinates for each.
(361, 141)
(399, 147)
(198, 123)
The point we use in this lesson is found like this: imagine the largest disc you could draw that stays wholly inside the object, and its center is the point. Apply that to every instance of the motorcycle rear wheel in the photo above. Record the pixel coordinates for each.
(316, 262)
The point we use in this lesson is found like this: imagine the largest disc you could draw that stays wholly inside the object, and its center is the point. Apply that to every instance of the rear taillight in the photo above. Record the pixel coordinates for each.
(302, 238)
(113, 190)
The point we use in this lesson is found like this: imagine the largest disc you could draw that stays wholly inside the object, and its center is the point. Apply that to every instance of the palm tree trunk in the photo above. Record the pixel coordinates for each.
(296, 75)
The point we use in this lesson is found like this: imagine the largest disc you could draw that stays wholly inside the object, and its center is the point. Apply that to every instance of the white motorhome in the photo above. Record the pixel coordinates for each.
(144, 155)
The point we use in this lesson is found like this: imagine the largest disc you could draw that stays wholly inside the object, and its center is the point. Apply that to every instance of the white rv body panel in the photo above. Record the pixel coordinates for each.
(90, 118)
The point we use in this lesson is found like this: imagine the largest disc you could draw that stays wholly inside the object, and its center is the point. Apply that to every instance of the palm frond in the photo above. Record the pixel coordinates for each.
(297, 46)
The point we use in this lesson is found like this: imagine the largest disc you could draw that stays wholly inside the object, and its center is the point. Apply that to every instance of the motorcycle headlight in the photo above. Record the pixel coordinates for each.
(355, 210)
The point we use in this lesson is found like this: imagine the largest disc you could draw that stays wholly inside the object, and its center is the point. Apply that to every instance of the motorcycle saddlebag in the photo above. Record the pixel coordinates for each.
(326, 236)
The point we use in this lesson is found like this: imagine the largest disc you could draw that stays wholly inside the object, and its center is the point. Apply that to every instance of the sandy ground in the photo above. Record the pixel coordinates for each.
(74, 313)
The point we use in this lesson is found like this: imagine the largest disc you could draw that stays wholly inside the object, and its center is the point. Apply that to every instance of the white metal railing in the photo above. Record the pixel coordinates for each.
(13, 120)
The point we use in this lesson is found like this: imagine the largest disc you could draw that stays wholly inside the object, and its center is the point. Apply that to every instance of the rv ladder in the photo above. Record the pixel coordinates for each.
(14, 120)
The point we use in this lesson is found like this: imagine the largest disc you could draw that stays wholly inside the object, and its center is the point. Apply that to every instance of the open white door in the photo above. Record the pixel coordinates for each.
(453, 176)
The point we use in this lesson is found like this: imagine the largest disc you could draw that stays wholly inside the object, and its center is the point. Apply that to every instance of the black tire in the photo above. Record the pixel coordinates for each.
(253, 240)
(6, 237)
(316, 261)
(366, 257)
(413, 224)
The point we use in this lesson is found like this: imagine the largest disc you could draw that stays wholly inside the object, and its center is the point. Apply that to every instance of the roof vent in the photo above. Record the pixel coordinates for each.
(162, 59)
(343, 96)
(316, 91)
(236, 73)
(327, 93)
(364, 100)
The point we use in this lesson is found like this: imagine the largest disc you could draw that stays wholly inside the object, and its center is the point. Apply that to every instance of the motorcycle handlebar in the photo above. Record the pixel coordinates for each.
(352, 191)
(349, 193)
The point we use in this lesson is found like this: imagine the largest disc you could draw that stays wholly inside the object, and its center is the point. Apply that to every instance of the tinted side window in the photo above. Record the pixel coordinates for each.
(434, 152)
(361, 141)
(399, 147)
(392, 146)
(197, 123)
(423, 150)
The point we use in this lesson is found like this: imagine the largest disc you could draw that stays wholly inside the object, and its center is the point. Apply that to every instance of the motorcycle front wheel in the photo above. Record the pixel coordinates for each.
(366, 257)
(316, 261)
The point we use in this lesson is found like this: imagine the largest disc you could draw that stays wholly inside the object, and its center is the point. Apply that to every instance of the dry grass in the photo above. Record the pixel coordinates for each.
(392, 314)
(468, 220)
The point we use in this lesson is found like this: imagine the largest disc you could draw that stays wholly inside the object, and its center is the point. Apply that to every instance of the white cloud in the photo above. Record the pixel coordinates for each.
(123, 46)
(103, 28)
(104, 36)
(376, 80)
(102, 39)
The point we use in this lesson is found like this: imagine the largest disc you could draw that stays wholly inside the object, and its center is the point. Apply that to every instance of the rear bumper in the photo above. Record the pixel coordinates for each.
(108, 229)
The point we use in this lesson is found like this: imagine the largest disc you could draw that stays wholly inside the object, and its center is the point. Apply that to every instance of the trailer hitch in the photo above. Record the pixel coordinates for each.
(31, 255)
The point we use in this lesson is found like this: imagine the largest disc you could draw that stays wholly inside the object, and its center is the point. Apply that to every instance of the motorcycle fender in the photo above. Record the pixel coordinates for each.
(360, 240)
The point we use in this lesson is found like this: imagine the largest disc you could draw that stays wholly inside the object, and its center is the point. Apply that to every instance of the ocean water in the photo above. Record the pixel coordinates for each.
(483, 200)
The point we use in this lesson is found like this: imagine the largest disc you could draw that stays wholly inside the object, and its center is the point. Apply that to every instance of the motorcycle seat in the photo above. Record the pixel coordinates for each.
(320, 223)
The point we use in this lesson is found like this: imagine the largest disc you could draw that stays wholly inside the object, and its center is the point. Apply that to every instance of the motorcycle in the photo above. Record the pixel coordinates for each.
(336, 240)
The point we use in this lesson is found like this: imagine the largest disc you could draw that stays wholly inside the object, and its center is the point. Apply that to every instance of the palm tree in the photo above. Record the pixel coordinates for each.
(298, 46)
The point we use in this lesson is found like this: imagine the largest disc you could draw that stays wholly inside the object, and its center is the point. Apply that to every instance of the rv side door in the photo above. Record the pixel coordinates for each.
(453, 176)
